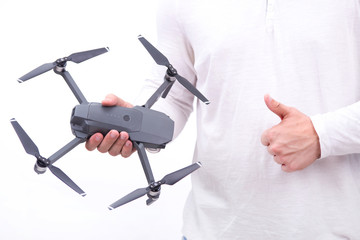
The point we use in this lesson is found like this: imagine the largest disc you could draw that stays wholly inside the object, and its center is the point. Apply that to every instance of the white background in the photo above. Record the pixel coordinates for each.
(40, 206)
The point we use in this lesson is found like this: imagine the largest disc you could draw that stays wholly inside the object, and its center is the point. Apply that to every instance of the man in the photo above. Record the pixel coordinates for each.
(305, 182)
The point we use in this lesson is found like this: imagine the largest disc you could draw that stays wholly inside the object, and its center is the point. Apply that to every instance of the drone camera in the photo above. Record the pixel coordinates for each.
(153, 150)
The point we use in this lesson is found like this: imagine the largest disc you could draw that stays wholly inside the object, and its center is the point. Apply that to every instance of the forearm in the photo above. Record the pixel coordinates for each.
(339, 131)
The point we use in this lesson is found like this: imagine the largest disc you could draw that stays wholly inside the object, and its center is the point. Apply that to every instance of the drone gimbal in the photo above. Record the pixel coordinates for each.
(147, 128)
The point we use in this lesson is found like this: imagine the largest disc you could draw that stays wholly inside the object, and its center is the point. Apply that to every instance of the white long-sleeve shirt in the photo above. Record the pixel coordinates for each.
(305, 54)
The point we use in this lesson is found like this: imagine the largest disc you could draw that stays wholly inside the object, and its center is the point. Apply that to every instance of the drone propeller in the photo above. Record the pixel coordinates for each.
(75, 57)
(172, 178)
(42, 163)
(26, 141)
(153, 190)
(130, 197)
(160, 59)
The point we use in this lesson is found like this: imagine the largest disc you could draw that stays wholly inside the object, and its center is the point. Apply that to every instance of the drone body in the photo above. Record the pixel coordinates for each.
(154, 129)
(147, 128)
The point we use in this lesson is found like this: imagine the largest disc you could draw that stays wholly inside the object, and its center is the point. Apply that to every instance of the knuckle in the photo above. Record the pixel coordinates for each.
(281, 159)
(275, 149)
(271, 134)
(291, 167)
(291, 109)
(264, 140)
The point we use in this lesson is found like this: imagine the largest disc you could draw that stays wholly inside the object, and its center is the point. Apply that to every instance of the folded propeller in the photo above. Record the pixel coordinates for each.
(153, 190)
(43, 163)
(160, 59)
(154, 187)
(61, 62)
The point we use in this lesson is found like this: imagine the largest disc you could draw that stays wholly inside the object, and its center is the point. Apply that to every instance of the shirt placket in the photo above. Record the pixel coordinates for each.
(270, 14)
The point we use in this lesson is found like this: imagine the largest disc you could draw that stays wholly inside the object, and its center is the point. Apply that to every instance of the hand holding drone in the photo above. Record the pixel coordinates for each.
(147, 128)
(115, 143)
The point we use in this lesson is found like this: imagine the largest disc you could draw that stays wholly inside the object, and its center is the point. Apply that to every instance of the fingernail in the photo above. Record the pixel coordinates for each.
(268, 98)
(128, 143)
(97, 138)
(273, 102)
(122, 136)
(113, 134)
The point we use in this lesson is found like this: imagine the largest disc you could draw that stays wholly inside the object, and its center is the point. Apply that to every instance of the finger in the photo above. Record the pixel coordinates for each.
(94, 141)
(117, 147)
(265, 139)
(278, 160)
(271, 151)
(276, 107)
(113, 100)
(120, 102)
(293, 166)
(108, 141)
(286, 168)
(110, 100)
(128, 149)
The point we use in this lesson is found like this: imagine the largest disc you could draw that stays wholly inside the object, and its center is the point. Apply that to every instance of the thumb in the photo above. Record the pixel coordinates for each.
(113, 100)
(276, 107)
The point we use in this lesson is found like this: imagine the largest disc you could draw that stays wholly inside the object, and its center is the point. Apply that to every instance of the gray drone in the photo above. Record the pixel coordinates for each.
(147, 128)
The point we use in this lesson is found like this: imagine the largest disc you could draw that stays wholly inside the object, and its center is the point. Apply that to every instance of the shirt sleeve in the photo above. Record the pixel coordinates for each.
(339, 131)
(172, 42)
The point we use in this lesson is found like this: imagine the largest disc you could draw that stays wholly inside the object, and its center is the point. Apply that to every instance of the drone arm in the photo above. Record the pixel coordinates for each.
(162, 90)
(144, 161)
(167, 90)
(73, 86)
(64, 150)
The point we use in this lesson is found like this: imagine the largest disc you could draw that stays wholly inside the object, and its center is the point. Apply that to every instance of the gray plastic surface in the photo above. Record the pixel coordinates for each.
(153, 128)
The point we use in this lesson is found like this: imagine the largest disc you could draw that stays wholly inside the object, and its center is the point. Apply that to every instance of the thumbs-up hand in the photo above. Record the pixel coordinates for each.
(293, 142)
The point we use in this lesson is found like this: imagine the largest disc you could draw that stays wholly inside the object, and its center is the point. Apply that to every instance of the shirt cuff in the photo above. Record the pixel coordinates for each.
(339, 131)
(320, 129)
